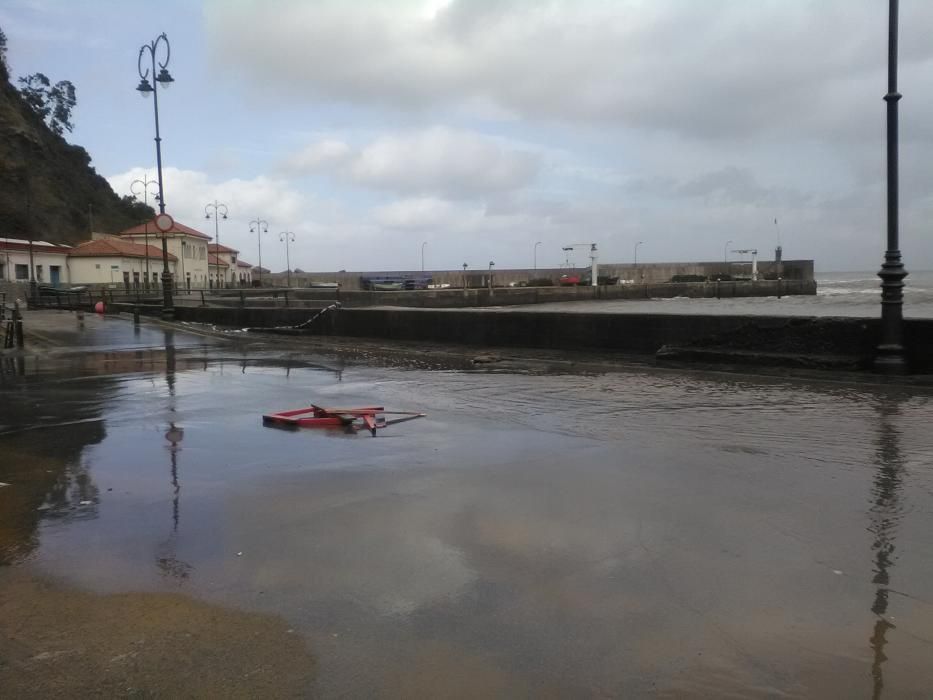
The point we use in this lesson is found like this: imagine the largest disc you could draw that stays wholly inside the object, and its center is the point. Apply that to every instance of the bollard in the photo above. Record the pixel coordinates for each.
(18, 327)
(136, 315)
(202, 298)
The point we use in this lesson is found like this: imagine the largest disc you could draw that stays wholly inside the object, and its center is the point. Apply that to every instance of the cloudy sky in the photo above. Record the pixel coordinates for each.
(484, 126)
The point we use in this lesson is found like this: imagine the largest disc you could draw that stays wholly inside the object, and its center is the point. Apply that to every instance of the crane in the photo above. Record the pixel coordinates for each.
(594, 280)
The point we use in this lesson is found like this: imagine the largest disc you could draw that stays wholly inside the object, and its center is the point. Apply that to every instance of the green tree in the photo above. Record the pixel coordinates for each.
(53, 103)
(4, 68)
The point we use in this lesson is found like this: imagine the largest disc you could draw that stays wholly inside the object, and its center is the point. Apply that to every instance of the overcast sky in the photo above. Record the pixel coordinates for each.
(482, 127)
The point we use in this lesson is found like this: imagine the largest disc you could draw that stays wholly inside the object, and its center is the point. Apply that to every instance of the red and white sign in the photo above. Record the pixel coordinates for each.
(164, 223)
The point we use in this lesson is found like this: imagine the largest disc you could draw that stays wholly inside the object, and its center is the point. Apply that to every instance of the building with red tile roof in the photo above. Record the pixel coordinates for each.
(185, 242)
(114, 261)
(49, 261)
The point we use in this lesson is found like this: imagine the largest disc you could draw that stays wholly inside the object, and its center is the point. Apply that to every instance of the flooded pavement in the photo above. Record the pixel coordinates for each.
(640, 532)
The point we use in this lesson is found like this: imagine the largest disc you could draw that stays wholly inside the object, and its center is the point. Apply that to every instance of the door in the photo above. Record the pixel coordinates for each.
(55, 275)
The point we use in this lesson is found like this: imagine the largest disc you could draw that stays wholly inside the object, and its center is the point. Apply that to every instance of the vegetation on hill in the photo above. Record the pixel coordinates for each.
(48, 188)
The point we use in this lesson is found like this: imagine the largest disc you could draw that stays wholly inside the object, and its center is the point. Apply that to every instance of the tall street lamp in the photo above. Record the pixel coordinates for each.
(635, 257)
(287, 236)
(422, 255)
(219, 212)
(146, 88)
(536, 255)
(259, 227)
(890, 358)
(725, 251)
(137, 188)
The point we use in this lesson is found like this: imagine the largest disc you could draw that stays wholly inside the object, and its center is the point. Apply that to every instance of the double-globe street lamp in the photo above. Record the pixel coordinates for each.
(287, 236)
(147, 87)
(143, 189)
(259, 227)
(219, 212)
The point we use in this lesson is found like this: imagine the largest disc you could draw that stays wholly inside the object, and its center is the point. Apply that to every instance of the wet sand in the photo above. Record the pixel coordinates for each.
(628, 533)
(57, 641)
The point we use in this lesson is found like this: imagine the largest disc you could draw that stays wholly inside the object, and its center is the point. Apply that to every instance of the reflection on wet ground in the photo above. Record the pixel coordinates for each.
(638, 532)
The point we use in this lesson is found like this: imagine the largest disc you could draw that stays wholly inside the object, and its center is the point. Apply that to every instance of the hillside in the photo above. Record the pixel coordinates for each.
(46, 184)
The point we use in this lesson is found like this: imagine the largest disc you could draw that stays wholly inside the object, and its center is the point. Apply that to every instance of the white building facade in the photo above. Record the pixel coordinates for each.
(49, 262)
(223, 264)
(188, 245)
(116, 263)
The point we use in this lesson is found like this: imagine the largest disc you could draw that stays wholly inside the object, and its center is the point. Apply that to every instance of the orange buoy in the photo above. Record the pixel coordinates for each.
(99, 307)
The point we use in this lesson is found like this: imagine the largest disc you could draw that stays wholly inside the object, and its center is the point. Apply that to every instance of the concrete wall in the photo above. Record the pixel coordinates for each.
(635, 334)
(642, 273)
(507, 296)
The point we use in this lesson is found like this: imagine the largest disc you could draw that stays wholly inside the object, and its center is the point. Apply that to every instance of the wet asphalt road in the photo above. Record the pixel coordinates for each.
(640, 532)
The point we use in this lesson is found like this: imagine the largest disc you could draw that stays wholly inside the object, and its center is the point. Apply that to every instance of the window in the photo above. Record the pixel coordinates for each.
(97, 266)
(39, 273)
(22, 272)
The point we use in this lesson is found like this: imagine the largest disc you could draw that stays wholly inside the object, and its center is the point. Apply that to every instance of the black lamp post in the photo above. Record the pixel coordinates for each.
(287, 236)
(220, 212)
(890, 358)
(259, 226)
(146, 87)
(144, 184)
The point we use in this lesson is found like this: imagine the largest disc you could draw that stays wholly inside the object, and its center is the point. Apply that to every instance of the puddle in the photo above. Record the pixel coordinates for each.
(618, 534)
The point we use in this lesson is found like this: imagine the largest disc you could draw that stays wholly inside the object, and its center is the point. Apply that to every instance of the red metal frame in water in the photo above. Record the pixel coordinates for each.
(318, 417)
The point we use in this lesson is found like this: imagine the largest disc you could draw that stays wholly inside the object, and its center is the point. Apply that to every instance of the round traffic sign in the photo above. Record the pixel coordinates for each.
(164, 223)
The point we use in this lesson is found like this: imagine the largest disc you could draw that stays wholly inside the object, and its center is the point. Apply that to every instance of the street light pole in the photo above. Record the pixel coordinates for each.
(144, 183)
(725, 252)
(259, 226)
(285, 236)
(536, 255)
(422, 255)
(890, 358)
(220, 211)
(146, 87)
(636, 253)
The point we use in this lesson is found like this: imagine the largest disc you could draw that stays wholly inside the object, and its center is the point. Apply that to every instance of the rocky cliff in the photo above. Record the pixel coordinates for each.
(48, 188)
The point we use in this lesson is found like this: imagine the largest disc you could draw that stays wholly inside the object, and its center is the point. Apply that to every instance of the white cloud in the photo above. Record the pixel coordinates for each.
(418, 214)
(188, 191)
(434, 161)
(320, 155)
(708, 70)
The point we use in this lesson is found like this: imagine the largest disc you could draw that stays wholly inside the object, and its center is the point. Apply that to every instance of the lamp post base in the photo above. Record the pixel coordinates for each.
(890, 360)
(168, 306)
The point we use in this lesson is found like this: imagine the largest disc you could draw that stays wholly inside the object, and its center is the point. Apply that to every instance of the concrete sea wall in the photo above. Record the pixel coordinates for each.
(841, 342)
(507, 296)
(650, 273)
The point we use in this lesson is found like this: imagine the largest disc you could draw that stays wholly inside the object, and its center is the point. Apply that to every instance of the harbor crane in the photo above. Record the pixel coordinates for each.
(594, 280)
(754, 253)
